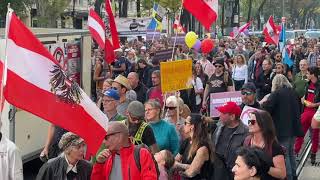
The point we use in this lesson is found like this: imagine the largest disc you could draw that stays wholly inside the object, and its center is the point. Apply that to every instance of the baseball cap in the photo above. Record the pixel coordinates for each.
(114, 94)
(69, 139)
(230, 107)
(249, 86)
(136, 109)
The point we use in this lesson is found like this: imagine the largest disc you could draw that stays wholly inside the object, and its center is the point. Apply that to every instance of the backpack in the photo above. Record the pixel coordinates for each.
(136, 155)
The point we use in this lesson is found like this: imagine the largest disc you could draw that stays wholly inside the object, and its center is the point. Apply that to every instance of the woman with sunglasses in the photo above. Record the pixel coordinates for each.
(172, 114)
(262, 135)
(164, 132)
(196, 154)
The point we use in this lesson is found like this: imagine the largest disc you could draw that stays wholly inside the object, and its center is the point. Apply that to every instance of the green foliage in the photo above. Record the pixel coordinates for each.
(50, 11)
(19, 7)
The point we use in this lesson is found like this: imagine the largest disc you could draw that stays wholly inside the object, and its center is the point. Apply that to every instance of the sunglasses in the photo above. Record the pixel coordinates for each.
(218, 66)
(246, 93)
(251, 122)
(170, 108)
(111, 134)
(185, 123)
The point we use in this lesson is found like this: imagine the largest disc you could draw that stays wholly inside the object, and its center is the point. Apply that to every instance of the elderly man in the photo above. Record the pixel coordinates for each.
(10, 159)
(300, 79)
(118, 160)
(248, 96)
(122, 85)
(139, 88)
(110, 102)
(70, 164)
(229, 135)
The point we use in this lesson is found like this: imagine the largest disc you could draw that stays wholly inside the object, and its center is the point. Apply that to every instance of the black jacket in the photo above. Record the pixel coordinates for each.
(284, 106)
(235, 142)
(263, 84)
(55, 169)
(141, 92)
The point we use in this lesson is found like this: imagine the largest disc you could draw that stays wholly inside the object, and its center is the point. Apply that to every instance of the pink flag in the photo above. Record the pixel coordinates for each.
(206, 11)
(37, 84)
(97, 28)
(271, 32)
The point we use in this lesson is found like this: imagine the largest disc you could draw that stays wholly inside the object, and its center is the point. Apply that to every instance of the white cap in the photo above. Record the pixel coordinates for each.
(143, 48)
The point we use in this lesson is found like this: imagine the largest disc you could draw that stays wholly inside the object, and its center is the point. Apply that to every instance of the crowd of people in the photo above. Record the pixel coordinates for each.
(154, 135)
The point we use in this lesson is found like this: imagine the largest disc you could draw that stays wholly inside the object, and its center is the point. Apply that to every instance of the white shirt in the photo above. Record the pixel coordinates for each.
(10, 161)
(70, 167)
(240, 73)
(198, 85)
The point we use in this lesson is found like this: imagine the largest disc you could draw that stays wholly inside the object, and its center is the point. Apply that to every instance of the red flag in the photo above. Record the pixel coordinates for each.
(37, 84)
(206, 11)
(109, 52)
(271, 32)
(97, 28)
(113, 27)
(1, 86)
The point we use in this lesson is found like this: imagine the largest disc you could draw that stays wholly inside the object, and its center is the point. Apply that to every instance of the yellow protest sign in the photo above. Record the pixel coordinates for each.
(176, 75)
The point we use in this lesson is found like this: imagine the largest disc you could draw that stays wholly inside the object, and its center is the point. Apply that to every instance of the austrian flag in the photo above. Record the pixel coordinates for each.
(97, 28)
(206, 11)
(37, 84)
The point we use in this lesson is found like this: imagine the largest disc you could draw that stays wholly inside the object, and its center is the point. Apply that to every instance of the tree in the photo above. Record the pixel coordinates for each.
(20, 7)
(50, 11)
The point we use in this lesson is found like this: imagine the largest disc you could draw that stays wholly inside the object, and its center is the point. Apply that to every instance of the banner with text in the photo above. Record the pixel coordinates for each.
(218, 99)
(176, 75)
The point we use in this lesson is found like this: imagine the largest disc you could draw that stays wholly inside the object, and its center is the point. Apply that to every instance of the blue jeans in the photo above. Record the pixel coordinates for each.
(288, 143)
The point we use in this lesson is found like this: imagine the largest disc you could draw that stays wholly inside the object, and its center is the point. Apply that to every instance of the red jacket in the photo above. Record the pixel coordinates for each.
(128, 165)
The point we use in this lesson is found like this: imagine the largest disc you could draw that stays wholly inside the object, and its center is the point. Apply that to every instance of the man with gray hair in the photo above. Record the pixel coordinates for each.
(118, 161)
(70, 164)
(10, 159)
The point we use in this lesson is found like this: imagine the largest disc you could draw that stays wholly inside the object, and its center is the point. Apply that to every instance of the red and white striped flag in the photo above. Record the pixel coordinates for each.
(97, 28)
(37, 84)
(241, 29)
(271, 32)
(177, 26)
(206, 11)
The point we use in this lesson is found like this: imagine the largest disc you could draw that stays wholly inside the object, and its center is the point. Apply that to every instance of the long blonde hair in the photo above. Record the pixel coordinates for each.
(280, 81)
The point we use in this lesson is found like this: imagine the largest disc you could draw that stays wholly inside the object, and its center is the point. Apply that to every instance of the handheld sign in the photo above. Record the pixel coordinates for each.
(245, 114)
(163, 55)
(176, 75)
(218, 99)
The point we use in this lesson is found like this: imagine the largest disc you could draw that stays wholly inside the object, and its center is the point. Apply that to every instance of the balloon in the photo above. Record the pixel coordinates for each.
(207, 46)
(197, 45)
(191, 39)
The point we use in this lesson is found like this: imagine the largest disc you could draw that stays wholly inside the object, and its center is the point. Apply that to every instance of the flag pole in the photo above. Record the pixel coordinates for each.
(154, 31)
(5, 63)
(176, 34)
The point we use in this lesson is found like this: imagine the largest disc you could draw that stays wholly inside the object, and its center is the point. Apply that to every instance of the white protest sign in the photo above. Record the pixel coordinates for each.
(245, 114)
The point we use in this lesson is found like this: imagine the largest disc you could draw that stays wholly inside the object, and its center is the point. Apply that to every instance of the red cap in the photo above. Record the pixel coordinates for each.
(230, 107)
